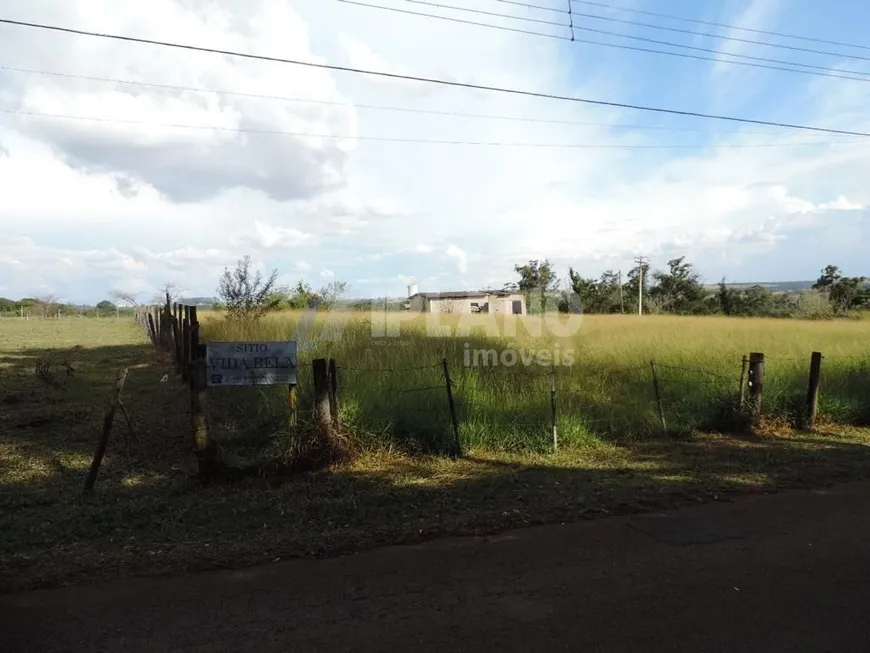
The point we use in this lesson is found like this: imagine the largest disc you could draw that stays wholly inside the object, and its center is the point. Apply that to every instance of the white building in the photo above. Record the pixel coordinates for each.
(501, 302)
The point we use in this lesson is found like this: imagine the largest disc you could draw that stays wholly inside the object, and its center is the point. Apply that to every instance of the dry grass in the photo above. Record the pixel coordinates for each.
(607, 391)
(147, 516)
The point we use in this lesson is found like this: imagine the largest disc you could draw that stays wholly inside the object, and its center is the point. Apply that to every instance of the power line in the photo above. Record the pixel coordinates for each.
(826, 71)
(380, 107)
(686, 31)
(430, 80)
(724, 25)
(425, 141)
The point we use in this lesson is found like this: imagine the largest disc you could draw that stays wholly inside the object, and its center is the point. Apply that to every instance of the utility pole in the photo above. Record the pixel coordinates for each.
(641, 261)
(621, 300)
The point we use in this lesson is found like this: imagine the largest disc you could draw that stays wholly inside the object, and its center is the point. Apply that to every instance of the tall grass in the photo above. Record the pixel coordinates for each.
(392, 389)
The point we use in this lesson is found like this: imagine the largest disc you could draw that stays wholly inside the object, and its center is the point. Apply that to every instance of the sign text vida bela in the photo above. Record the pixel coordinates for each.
(251, 363)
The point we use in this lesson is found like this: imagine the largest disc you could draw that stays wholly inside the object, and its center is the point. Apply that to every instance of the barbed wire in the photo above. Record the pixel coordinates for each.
(695, 369)
(427, 388)
(387, 369)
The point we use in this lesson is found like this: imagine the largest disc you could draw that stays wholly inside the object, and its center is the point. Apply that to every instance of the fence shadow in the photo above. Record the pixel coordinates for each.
(396, 499)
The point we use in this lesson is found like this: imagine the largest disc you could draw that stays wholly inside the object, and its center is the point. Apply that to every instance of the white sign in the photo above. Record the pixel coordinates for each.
(251, 363)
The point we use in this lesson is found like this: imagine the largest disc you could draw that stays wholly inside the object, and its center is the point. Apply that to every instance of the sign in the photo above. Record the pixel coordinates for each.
(251, 363)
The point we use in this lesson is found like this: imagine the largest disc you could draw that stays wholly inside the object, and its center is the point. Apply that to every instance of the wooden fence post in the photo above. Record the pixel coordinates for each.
(292, 399)
(193, 349)
(322, 414)
(553, 407)
(107, 429)
(813, 389)
(333, 393)
(185, 343)
(204, 445)
(176, 344)
(756, 385)
(151, 329)
(456, 447)
(744, 365)
(658, 393)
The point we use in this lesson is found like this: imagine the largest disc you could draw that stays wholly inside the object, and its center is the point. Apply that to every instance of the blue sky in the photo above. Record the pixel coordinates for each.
(92, 203)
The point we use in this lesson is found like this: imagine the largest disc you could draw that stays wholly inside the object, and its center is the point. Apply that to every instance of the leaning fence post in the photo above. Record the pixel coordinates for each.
(322, 413)
(813, 389)
(553, 407)
(756, 384)
(152, 329)
(658, 394)
(107, 429)
(456, 448)
(333, 393)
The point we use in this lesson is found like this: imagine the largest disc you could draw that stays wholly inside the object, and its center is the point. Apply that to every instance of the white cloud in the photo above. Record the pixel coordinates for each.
(459, 257)
(88, 205)
(327, 273)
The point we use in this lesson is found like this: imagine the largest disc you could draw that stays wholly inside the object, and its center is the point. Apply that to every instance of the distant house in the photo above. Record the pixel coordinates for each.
(501, 302)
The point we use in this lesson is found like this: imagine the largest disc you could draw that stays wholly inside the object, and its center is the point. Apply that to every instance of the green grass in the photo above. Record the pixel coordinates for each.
(606, 392)
(148, 516)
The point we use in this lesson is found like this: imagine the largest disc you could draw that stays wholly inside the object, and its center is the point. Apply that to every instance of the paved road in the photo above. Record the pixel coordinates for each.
(788, 572)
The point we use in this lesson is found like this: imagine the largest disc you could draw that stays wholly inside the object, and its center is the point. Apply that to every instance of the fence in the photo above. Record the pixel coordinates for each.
(441, 407)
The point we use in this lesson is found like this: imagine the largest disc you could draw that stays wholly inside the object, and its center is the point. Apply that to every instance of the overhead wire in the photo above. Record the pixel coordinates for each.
(811, 69)
(380, 107)
(666, 28)
(428, 80)
(722, 25)
(398, 139)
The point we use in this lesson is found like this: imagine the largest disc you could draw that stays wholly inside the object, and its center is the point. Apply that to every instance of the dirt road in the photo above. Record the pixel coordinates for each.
(786, 572)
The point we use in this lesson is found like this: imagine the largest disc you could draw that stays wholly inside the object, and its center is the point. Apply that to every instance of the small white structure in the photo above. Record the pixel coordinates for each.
(485, 301)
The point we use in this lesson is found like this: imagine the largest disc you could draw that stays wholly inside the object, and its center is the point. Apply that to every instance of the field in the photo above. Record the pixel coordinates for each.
(392, 387)
(148, 515)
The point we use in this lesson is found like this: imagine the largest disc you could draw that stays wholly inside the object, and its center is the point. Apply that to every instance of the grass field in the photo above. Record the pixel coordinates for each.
(148, 515)
(607, 391)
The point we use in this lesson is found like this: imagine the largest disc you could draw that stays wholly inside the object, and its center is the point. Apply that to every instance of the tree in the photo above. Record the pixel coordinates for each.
(301, 296)
(537, 276)
(130, 298)
(106, 305)
(727, 298)
(448, 304)
(830, 276)
(596, 295)
(47, 305)
(844, 293)
(244, 292)
(331, 293)
(169, 292)
(679, 290)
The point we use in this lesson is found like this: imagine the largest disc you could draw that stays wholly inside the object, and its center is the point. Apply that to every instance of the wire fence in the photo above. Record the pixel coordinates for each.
(452, 403)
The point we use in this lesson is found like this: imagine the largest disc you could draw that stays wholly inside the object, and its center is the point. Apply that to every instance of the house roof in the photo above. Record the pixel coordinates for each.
(462, 294)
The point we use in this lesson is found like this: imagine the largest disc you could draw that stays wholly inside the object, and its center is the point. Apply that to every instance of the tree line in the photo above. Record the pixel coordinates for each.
(678, 289)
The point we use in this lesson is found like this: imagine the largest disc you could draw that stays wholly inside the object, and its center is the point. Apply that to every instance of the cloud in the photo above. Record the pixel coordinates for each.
(86, 205)
(269, 236)
(459, 257)
(327, 273)
(188, 164)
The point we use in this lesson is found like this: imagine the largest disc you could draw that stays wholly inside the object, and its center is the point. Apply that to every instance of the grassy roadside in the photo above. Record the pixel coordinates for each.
(147, 517)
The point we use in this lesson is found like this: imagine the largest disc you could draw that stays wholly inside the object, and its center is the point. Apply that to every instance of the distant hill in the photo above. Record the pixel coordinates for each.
(772, 286)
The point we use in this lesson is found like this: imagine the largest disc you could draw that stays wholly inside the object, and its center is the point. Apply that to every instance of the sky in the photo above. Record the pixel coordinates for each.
(172, 165)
